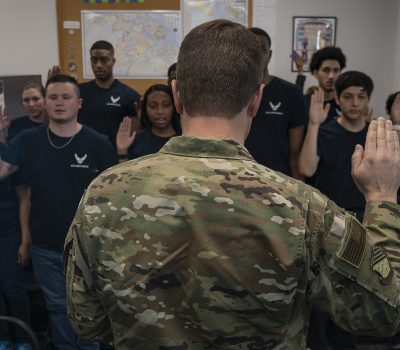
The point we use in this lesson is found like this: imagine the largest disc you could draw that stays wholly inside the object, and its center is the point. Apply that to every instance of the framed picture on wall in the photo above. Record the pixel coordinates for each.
(309, 35)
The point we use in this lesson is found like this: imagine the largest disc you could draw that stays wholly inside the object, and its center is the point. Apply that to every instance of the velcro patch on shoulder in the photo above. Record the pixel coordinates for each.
(354, 246)
(380, 264)
(339, 225)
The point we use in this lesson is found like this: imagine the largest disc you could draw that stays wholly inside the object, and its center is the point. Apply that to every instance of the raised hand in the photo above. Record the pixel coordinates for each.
(4, 119)
(376, 168)
(55, 70)
(299, 62)
(124, 138)
(318, 112)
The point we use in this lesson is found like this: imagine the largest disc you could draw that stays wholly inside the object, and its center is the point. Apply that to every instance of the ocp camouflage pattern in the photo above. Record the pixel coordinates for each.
(199, 247)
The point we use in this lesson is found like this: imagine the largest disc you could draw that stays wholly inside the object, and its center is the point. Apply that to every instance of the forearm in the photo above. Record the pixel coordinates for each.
(294, 167)
(386, 235)
(6, 169)
(308, 159)
(23, 193)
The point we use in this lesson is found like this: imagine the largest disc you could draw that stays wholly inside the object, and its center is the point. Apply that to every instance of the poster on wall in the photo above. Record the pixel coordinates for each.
(146, 43)
(309, 35)
(201, 11)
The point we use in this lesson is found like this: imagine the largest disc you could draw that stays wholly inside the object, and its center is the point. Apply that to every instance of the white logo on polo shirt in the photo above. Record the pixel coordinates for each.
(114, 101)
(79, 161)
(274, 108)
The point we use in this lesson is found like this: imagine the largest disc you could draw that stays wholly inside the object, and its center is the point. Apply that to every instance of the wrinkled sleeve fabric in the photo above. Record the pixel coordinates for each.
(354, 267)
(84, 307)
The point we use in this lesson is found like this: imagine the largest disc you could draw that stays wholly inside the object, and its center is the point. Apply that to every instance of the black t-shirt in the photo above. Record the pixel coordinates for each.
(9, 220)
(146, 143)
(282, 108)
(20, 124)
(104, 109)
(333, 176)
(333, 113)
(57, 177)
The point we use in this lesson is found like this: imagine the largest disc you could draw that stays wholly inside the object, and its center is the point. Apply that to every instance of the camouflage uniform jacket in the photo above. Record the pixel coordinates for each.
(199, 247)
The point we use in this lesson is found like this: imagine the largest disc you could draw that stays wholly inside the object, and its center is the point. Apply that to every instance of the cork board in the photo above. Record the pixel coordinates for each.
(71, 31)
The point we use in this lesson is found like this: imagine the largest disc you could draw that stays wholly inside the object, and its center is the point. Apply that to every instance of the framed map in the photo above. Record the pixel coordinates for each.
(146, 43)
(195, 12)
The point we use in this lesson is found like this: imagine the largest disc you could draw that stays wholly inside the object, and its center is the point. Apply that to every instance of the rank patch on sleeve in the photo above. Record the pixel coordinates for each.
(354, 246)
(380, 264)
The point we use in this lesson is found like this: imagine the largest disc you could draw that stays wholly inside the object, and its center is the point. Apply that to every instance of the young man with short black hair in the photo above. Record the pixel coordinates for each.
(277, 131)
(326, 65)
(106, 100)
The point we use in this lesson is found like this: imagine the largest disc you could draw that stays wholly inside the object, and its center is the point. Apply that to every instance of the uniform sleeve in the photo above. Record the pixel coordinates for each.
(354, 267)
(85, 311)
(299, 110)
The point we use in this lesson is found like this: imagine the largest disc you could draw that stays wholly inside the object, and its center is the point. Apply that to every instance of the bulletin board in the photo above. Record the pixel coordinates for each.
(76, 30)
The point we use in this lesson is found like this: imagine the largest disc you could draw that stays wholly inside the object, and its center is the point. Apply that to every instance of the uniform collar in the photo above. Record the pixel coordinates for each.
(207, 148)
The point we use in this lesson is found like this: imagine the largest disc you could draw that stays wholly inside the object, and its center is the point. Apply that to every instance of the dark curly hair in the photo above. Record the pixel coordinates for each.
(327, 53)
(390, 100)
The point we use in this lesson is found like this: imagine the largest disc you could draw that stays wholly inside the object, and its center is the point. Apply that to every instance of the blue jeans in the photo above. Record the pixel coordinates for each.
(48, 270)
(13, 295)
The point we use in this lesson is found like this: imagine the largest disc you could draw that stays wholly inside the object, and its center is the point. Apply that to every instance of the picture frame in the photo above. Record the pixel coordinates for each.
(309, 35)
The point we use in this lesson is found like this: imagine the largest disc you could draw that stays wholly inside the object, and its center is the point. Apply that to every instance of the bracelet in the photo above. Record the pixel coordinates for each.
(396, 127)
(122, 156)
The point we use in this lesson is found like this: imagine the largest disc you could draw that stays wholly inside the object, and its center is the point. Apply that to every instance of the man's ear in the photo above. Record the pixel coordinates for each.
(177, 97)
(255, 101)
(270, 56)
(337, 100)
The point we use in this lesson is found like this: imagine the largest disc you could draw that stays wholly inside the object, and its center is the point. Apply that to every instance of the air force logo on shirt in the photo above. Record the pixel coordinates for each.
(79, 161)
(274, 108)
(114, 101)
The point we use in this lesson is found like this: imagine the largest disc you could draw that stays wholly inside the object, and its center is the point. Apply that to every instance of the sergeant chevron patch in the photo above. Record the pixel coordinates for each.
(380, 264)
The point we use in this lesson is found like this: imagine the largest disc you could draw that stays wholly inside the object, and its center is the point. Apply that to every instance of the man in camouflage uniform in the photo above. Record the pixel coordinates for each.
(199, 247)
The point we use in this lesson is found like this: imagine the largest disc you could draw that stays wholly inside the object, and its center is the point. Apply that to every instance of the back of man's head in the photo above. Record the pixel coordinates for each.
(327, 53)
(260, 31)
(219, 69)
(103, 45)
(354, 78)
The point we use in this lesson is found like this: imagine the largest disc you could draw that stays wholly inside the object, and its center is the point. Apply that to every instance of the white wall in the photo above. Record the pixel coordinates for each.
(368, 32)
(28, 37)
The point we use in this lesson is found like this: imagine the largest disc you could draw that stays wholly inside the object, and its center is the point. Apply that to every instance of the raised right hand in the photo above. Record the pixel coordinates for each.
(376, 168)
(55, 70)
(4, 119)
(318, 113)
(124, 137)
